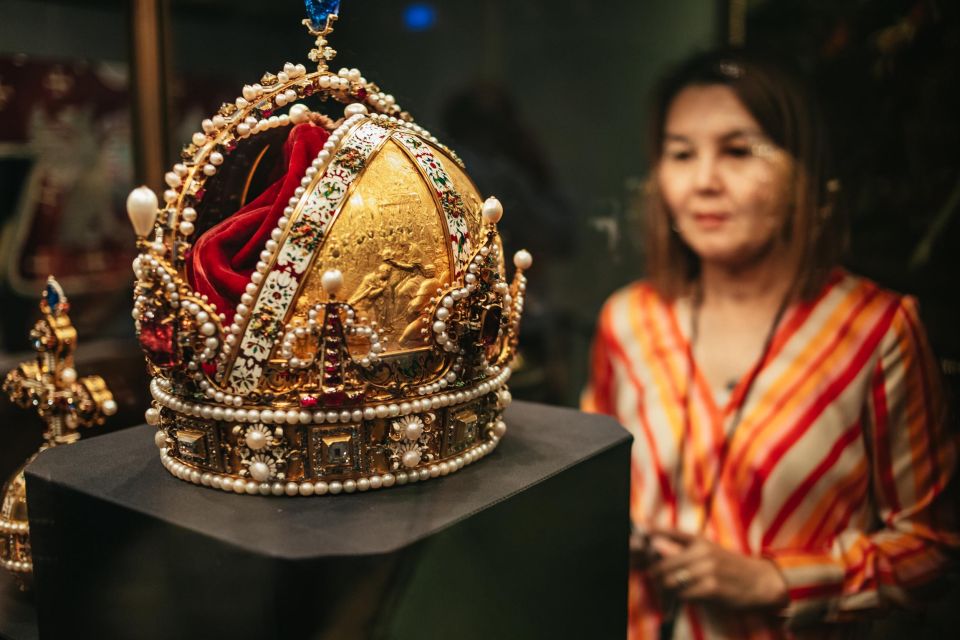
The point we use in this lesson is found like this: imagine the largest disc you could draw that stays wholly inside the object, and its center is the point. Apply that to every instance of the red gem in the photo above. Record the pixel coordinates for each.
(308, 402)
(209, 368)
(267, 113)
(157, 341)
(334, 398)
(332, 368)
(362, 93)
(199, 194)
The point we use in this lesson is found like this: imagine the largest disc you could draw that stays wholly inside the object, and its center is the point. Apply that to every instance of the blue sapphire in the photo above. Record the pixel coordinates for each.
(318, 10)
(53, 298)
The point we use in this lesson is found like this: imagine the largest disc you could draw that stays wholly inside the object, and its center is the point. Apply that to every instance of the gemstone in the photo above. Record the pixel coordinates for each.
(318, 10)
(362, 93)
(53, 297)
(308, 402)
(334, 398)
(209, 368)
(156, 338)
(490, 325)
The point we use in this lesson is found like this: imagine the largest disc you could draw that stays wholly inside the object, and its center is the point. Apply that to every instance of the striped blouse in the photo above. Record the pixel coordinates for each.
(836, 471)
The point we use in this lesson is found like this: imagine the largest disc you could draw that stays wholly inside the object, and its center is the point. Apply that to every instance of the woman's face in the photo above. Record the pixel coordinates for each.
(725, 184)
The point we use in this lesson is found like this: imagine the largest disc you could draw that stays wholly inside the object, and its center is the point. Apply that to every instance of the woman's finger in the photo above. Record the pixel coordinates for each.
(684, 557)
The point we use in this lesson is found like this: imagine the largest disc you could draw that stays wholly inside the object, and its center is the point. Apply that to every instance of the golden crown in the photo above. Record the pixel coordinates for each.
(370, 343)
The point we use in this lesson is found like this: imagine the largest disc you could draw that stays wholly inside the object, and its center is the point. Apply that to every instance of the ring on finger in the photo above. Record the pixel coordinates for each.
(681, 578)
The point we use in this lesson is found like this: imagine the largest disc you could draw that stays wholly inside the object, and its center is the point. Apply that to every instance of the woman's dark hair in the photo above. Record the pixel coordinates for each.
(786, 109)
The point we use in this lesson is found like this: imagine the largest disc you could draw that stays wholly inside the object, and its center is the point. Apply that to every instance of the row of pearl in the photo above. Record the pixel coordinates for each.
(17, 566)
(13, 526)
(384, 119)
(269, 97)
(354, 114)
(307, 488)
(303, 416)
(377, 99)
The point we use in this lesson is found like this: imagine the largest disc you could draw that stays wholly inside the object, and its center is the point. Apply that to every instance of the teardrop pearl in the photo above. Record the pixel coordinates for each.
(142, 207)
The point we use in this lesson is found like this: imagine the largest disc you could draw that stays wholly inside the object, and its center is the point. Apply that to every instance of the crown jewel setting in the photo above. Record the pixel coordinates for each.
(351, 327)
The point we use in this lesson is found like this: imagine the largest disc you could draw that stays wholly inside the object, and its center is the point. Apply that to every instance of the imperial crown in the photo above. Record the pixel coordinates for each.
(349, 328)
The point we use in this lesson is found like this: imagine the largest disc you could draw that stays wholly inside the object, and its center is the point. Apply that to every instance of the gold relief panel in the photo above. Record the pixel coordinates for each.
(390, 243)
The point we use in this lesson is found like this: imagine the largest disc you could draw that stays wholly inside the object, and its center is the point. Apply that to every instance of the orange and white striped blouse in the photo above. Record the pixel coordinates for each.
(836, 471)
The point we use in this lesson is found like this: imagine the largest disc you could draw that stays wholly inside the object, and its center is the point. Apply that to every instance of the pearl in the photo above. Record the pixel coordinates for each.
(522, 259)
(299, 113)
(354, 109)
(160, 439)
(109, 407)
(291, 489)
(389, 480)
(500, 428)
(276, 489)
(411, 458)
(186, 228)
(208, 329)
(152, 416)
(256, 439)
(321, 488)
(492, 210)
(259, 471)
(68, 375)
(335, 487)
(142, 206)
(413, 431)
(332, 281)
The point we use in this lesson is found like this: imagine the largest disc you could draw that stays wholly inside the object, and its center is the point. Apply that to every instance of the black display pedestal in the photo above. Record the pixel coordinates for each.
(530, 542)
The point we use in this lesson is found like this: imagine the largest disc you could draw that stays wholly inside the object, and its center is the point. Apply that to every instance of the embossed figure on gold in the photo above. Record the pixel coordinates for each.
(391, 244)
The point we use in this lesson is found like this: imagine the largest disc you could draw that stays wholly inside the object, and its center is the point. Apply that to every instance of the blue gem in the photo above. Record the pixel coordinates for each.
(53, 298)
(318, 10)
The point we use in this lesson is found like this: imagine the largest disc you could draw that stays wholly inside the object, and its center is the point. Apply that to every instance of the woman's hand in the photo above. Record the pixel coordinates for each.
(694, 568)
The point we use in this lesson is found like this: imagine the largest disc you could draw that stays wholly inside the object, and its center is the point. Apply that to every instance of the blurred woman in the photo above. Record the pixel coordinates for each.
(791, 451)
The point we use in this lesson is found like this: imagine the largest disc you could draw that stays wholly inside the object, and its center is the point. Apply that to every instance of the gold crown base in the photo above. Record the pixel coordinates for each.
(297, 452)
